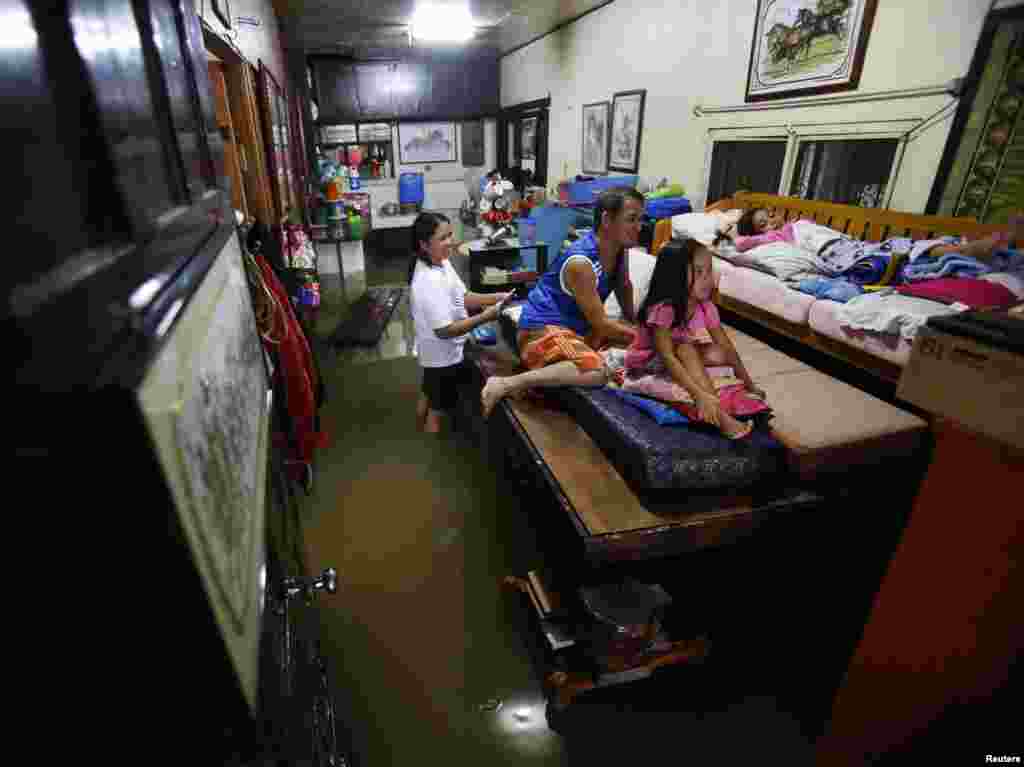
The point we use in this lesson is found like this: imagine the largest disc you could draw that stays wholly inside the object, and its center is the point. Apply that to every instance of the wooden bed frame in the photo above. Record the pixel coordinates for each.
(872, 224)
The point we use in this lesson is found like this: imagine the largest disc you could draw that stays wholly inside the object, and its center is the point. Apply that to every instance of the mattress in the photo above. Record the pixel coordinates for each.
(720, 266)
(653, 457)
(766, 292)
(824, 318)
(827, 426)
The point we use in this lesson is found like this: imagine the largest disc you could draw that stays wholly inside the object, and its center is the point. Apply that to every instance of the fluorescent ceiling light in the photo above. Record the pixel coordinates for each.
(442, 23)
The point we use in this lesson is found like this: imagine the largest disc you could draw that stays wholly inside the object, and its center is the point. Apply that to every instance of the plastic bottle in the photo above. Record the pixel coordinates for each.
(355, 226)
(354, 180)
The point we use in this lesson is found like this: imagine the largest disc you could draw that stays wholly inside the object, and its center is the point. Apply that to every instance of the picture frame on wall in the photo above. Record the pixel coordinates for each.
(805, 47)
(595, 138)
(420, 143)
(472, 143)
(222, 11)
(529, 138)
(626, 130)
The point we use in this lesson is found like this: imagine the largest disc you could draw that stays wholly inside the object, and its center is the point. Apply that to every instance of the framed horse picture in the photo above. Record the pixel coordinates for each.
(805, 47)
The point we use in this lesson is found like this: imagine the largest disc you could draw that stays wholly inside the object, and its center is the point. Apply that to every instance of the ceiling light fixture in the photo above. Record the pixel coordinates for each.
(438, 23)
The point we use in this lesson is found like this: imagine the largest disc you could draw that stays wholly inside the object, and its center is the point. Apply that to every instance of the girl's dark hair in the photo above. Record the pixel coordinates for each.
(423, 229)
(671, 280)
(745, 226)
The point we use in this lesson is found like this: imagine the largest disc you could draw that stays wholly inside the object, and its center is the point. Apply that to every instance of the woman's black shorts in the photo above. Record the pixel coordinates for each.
(441, 385)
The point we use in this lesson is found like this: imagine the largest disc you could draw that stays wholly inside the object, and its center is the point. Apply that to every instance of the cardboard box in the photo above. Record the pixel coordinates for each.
(977, 385)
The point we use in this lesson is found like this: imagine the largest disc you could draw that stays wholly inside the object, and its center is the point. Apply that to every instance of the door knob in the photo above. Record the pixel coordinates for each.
(309, 587)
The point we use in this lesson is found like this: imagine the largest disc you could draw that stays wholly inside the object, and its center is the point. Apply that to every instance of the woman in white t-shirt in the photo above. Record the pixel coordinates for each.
(440, 307)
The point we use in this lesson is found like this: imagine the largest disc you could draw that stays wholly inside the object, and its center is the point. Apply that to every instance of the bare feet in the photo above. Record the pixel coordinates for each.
(492, 393)
(734, 429)
(421, 412)
(982, 249)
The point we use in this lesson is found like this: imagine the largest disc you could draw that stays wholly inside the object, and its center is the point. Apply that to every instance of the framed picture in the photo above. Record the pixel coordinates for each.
(426, 142)
(222, 11)
(204, 404)
(595, 138)
(627, 125)
(529, 138)
(803, 47)
(473, 143)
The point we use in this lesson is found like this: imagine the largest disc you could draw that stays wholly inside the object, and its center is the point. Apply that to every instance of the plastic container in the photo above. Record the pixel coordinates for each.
(410, 189)
(527, 231)
(666, 207)
(585, 192)
(355, 227)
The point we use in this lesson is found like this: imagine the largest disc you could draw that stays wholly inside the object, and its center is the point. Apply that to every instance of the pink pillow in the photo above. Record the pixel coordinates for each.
(975, 293)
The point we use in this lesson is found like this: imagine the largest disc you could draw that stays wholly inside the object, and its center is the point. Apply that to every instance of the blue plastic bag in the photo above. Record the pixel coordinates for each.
(663, 414)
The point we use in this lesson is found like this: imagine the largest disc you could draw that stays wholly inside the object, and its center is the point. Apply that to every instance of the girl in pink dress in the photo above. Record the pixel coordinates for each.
(681, 354)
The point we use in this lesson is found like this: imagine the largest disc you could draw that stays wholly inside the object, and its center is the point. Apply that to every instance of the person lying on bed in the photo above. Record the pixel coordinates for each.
(680, 337)
(563, 322)
(839, 252)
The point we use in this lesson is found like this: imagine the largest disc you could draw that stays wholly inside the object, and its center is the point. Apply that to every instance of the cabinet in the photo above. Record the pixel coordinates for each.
(505, 267)
(425, 87)
(366, 146)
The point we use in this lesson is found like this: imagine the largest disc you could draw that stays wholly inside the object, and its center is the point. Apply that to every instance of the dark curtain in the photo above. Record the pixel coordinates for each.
(753, 166)
(850, 172)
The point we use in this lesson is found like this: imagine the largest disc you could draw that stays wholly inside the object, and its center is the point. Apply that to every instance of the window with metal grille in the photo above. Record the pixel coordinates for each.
(752, 166)
(847, 171)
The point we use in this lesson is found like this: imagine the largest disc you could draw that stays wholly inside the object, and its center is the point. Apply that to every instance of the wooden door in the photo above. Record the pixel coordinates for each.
(232, 159)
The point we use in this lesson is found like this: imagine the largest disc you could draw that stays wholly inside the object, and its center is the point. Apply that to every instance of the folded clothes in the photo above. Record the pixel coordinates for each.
(888, 312)
(946, 265)
(1011, 260)
(830, 288)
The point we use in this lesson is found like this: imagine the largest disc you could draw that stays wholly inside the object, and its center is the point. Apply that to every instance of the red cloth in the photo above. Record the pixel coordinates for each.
(298, 376)
(975, 293)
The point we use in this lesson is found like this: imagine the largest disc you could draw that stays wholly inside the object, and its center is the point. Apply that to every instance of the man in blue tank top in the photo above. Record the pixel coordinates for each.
(563, 322)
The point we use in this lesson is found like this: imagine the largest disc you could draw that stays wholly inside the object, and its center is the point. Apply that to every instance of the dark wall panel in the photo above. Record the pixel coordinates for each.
(422, 87)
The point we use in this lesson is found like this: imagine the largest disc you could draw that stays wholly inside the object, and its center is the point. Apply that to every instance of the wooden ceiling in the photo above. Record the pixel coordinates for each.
(379, 28)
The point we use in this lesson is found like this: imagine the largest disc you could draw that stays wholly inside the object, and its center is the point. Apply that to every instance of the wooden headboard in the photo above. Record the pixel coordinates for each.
(871, 224)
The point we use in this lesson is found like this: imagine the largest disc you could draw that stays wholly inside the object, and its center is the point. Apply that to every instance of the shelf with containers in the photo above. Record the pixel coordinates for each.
(340, 216)
(366, 146)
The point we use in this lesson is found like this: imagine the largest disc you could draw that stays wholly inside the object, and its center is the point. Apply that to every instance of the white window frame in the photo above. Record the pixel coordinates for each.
(797, 133)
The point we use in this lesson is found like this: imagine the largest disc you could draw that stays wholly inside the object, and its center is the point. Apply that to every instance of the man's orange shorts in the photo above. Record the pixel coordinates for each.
(556, 344)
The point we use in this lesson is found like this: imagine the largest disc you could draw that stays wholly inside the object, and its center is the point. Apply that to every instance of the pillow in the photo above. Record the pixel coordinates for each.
(780, 259)
(701, 227)
(975, 293)
(1014, 282)
(641, 267)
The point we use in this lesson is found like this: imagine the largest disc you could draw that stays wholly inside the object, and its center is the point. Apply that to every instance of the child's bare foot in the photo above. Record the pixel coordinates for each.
(982, 249)
(492, 393)
(734, 429)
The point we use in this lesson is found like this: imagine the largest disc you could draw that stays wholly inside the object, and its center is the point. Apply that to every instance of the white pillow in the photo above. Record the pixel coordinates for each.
(780, 259)
(702, 227)
(641, 268)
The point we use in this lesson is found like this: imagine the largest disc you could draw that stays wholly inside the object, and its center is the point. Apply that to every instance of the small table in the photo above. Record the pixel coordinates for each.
(512, 257)
(394, 222)
(339, 244)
